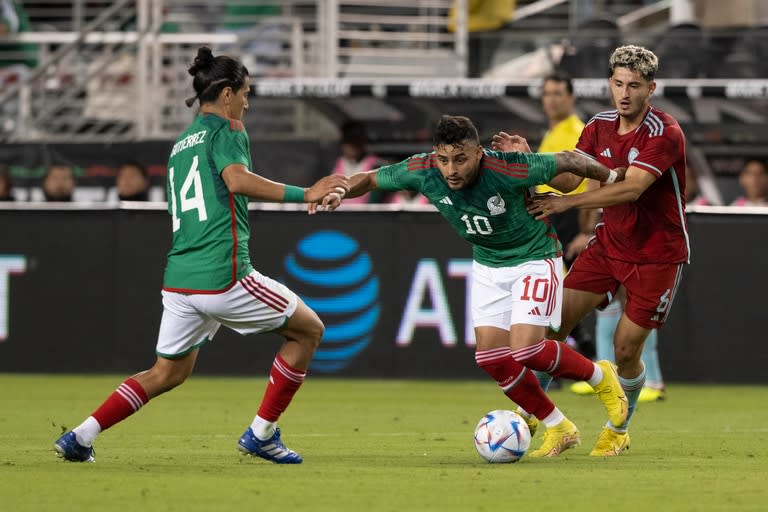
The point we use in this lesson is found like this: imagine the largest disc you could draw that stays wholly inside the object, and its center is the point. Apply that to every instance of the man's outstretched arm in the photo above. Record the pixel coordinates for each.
(362, 183)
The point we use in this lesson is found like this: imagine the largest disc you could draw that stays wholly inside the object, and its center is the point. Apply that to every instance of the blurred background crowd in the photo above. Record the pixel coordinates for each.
(91, 92)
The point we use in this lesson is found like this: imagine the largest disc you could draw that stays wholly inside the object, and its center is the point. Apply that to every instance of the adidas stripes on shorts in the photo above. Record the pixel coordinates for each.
(254, 304)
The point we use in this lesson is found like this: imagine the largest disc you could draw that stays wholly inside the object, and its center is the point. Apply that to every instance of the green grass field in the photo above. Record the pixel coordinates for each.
(373, 445)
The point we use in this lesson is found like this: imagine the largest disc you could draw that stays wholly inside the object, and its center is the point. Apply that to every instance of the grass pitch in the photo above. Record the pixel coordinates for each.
(373, 445)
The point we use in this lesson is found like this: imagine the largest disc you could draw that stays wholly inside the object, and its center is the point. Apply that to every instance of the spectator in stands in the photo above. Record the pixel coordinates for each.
(355, 157)
(132, 182)
(59, 183)
(6, 184)
(13, 20)
(574, 227)
(754, 182)
(483, 15)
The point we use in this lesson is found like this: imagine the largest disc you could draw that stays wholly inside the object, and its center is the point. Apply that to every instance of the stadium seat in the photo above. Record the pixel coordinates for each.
(682, 52)
(749, 56)
(590, 48)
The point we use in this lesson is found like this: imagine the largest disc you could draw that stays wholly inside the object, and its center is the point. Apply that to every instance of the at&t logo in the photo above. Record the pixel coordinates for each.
(335, 277)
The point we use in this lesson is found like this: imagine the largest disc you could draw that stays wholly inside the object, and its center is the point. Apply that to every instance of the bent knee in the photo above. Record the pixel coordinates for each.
(626, 356)
(315, 333)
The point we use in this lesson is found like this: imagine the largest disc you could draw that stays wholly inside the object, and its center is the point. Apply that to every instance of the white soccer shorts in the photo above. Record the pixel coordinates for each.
(529, 293)
(254, 304)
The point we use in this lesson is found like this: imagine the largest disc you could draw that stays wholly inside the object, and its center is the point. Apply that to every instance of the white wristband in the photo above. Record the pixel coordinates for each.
(612, 175)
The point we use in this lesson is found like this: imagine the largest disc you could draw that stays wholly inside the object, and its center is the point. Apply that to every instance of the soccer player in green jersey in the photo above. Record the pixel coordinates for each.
(517, 268)
(209, 280)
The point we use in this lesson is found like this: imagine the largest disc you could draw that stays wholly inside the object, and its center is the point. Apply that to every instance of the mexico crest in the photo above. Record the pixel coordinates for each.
(496, 205)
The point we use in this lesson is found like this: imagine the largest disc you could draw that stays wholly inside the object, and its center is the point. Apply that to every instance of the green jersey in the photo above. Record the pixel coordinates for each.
(210, 224)
(491, 212)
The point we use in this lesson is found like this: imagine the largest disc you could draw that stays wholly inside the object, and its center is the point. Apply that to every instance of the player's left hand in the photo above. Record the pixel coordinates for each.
(543, 206)
(503, 141)
(576, 245)
(329, 203)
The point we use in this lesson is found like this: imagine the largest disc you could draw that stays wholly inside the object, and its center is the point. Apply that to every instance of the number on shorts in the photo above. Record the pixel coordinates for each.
(540, 289)
(663, 302)
(194, 202)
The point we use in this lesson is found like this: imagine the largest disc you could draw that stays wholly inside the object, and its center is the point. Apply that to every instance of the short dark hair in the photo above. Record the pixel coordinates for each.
(453, 130)
(59, 165)
(757, 159)
(354, 133)
(212, 74)
(560, 76)
(138, 165)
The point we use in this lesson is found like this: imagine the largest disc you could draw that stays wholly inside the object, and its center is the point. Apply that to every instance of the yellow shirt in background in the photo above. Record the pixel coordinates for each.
(562, 137)
(484, 14)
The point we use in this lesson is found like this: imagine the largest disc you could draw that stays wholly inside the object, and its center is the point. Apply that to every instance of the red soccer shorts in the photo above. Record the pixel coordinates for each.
(650, 287)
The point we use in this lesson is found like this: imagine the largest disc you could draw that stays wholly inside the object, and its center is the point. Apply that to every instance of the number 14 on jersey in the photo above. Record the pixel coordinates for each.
(194, 201)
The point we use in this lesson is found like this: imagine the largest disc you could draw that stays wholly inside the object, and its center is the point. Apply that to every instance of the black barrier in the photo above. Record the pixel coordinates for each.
(80, 292)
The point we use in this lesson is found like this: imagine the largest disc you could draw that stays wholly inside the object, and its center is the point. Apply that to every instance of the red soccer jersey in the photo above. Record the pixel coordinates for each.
(652, 229)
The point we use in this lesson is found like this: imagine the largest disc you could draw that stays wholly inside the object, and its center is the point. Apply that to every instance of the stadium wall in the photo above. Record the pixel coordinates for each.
(79, 292)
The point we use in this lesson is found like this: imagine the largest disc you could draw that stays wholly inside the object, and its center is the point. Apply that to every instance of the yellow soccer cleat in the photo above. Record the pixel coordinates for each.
(610, 443)
(557, 439)
(582, 388)
(651, 395)
(612, 395)
(530, 420)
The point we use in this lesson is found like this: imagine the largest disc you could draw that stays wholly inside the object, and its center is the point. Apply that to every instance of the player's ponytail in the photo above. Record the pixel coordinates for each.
(212, 74)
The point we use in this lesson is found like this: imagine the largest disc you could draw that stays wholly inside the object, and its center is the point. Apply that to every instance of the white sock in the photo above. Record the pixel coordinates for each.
(597, 376)
(87, 431)
(262, 428)
(553, 418)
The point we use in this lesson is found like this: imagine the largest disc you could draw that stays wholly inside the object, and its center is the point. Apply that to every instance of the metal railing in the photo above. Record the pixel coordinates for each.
(118, 72)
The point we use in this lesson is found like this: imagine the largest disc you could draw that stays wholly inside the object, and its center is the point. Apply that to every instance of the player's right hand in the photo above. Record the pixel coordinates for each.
(324, 186)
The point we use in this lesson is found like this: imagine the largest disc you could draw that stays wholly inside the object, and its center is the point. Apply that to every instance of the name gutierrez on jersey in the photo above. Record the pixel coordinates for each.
(188, 142)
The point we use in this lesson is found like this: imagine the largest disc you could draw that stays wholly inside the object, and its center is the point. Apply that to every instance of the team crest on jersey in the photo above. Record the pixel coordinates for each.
(496, 205)
(633, 152)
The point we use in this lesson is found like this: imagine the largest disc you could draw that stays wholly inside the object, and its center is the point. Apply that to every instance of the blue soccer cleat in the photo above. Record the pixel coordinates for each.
(68, 448)
(272, 449)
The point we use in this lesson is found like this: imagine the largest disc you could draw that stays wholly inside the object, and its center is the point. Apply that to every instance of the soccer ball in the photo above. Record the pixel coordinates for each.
(502, 436)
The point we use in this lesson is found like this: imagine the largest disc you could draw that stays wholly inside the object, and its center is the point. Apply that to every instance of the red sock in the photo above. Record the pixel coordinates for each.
(124, 401)
(515, 380)
(284, 381)
(556, 359)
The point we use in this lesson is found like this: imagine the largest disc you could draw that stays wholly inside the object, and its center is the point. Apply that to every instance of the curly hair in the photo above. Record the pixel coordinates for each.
(635, 58)
(455, 130)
